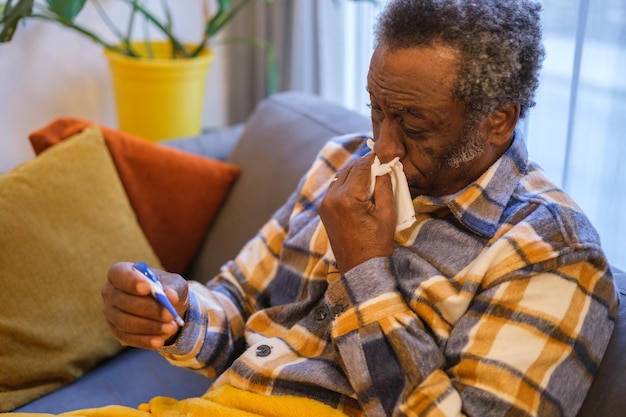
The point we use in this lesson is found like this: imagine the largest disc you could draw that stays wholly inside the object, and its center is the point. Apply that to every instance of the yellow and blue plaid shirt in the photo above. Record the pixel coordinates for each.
(498, 300)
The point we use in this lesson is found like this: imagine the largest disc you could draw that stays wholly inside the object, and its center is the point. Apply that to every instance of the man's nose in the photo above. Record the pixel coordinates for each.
(388, 145)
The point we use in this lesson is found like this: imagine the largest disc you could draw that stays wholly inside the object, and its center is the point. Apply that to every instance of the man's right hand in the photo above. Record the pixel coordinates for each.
(358, 227)
(133, 315)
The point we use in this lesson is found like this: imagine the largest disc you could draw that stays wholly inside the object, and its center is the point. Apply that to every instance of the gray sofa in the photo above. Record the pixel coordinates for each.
(274, 148)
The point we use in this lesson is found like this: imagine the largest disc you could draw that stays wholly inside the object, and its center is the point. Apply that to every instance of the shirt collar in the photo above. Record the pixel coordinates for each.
(479, 206)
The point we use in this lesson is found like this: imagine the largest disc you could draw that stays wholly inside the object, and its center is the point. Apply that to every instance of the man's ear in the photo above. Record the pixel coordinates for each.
(500, 124)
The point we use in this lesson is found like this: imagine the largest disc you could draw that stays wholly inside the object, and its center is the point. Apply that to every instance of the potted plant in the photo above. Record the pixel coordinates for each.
(159, 83)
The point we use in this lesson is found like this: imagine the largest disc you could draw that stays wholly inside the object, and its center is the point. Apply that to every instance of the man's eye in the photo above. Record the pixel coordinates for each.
(415, 133)
(373, 107)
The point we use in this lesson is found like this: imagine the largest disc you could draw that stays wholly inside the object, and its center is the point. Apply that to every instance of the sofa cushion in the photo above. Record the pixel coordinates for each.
(64, 219)
(280, 141)
(215, 143)
(133, 377)
(175, 194)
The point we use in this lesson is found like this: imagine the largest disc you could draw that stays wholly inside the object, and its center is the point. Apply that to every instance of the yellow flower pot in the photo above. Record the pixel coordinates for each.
(158, 98)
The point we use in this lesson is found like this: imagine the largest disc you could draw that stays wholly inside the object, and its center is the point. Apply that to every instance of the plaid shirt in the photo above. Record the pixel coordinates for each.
(497, 301)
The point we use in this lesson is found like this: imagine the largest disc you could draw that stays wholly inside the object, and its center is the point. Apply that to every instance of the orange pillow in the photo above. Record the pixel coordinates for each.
(174, 194)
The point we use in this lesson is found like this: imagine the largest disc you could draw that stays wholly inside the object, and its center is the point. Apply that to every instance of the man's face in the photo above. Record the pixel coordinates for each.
(415, 117)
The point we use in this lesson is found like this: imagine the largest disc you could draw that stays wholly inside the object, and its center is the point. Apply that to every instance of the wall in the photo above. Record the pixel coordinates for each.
(48, 71)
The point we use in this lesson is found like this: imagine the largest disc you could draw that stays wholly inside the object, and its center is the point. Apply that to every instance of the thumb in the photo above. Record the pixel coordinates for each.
(176, 290)
(383, 198)
(383, 189)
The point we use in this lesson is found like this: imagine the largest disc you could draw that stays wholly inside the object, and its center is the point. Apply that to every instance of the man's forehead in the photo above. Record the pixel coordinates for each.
(433, 62)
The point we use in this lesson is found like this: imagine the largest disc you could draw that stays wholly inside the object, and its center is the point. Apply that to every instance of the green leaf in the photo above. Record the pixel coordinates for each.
(224, 4)
(224, 15)
(66, 9)
(11, 16)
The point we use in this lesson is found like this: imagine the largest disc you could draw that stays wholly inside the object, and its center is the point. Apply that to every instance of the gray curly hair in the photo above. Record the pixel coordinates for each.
(499, 42)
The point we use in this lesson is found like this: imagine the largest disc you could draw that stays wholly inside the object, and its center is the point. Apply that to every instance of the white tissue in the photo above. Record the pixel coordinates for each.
(400, 188)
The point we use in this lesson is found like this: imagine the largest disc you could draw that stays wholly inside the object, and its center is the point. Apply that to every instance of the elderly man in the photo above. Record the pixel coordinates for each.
(494, 299)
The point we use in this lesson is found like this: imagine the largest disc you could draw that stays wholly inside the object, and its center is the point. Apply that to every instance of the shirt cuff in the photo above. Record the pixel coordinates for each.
(189, 333)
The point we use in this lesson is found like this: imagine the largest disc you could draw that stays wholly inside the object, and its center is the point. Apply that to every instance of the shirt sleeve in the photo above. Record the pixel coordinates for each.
(519, 347)
(213, 335)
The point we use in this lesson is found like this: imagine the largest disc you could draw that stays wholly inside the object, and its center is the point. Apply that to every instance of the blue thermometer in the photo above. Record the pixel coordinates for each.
(157, 290)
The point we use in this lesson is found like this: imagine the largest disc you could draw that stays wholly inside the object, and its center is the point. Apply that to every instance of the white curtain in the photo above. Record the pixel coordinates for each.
(577, 129)
(576, 132)
(332, 46)
(322, 46)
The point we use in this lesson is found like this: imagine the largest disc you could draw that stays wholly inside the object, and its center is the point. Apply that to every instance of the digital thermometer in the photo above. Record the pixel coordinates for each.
(157, 290)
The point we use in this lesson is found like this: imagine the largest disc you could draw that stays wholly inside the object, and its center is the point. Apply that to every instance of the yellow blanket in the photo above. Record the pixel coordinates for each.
(223, 402)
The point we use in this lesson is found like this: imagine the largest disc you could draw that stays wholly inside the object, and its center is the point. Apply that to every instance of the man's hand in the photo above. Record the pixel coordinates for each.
(359, 228)
(134, 316)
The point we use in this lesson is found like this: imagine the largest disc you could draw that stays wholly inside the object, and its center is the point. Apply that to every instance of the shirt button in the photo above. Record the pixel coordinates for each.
(320, 314)
(336, 311)
(263, 350)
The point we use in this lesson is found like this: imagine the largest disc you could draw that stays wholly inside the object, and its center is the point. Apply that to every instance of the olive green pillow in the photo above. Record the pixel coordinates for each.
(64, 220)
